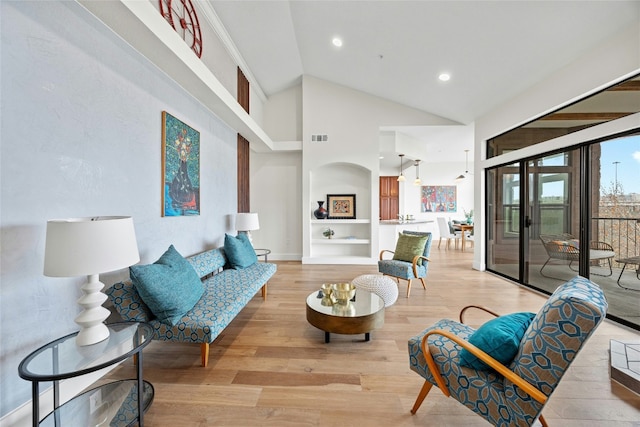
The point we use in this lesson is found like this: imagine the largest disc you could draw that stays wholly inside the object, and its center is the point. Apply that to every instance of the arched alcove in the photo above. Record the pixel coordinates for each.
(351, 242)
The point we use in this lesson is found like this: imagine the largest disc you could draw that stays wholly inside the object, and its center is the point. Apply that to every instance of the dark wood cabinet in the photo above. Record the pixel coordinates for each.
(389, 197)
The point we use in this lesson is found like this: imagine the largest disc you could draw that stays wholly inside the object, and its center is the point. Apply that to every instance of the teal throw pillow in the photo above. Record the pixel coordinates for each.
(408, 246)
(239, 251)
(170, 286)
(499, 338)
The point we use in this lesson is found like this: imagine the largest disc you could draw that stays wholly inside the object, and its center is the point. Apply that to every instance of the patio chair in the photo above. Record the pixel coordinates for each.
(565, 247)
(509, 388)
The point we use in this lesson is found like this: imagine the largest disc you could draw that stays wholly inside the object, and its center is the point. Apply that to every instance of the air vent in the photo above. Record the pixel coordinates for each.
(319, 138)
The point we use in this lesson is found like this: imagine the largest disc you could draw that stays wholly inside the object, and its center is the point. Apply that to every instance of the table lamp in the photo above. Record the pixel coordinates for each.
(90, 246)
(246, 222)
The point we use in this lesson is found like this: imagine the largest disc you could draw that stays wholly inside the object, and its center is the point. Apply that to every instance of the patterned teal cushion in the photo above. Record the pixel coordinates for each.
(499, 338)
(169, 287)
(239, 251)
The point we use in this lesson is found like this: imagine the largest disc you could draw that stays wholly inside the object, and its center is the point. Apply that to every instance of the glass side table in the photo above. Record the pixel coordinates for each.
(263, 252)
(117, 404)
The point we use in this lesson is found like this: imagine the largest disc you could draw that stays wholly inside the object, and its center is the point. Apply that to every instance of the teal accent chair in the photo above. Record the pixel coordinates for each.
(407, 270)
(513, 394)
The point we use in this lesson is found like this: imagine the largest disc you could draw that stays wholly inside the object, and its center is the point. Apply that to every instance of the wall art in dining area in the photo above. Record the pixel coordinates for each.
(438, 198)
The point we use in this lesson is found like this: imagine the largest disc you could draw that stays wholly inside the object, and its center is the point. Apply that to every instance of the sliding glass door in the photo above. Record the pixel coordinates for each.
(552, 217)
(520, 211)
(552, 223)
(503, 227)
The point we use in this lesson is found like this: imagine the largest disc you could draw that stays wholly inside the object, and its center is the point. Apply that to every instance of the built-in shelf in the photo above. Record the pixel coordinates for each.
(339, 260)
(330, 222)
(338, 241)
(351, 242)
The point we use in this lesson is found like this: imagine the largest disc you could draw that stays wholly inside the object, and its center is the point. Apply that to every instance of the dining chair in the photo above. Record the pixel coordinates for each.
(445, 233)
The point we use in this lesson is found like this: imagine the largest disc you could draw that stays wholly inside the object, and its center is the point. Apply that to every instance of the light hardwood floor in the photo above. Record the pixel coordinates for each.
(271, 368)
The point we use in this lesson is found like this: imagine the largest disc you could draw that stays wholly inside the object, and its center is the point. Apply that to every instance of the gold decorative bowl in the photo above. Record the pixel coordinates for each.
(343, 292)
(327, 294)
(327, 289)
(344, 310)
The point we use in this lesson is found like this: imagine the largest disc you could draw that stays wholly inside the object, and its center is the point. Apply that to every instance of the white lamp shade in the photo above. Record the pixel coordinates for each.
(247, 221)
(87, 246)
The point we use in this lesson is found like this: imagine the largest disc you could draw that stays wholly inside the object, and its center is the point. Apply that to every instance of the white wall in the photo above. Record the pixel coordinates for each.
(276, 191)
(434, 172)
(283, 115)
(81, 136)
(443, 173)
(352, 120)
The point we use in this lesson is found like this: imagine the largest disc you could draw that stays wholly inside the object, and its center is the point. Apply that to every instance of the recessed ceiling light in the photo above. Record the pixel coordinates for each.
(444, 77)
(337, 41)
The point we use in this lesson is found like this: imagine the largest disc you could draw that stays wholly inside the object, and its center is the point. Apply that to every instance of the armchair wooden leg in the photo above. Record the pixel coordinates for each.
(424, 285)
(426, 387)
(439, 241)
(264, 292)
(543, 421)
(408, 287)
(204, 353)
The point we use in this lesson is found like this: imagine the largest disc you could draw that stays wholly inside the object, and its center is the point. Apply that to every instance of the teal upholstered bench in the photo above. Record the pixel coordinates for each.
(226, 292)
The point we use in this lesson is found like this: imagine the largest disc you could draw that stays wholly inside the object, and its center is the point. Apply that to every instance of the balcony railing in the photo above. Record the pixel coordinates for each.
(621, 233)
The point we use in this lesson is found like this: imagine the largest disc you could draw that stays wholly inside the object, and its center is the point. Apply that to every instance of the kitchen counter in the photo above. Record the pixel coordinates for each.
(389, 230)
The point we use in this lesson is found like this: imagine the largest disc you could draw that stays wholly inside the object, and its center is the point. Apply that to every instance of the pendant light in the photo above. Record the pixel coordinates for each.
(401, 177)
(466, 164)
(418, 181)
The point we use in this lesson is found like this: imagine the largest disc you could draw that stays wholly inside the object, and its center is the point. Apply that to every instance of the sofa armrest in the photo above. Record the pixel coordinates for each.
(128, 303)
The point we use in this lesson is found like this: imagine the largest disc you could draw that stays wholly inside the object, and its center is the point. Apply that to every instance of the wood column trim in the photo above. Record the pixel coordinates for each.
(244, 188)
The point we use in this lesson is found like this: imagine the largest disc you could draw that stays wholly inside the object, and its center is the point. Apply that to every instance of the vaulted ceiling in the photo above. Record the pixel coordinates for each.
(396, 50)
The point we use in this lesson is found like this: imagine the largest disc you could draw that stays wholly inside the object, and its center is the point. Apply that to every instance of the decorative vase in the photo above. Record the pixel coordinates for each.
(321, 212)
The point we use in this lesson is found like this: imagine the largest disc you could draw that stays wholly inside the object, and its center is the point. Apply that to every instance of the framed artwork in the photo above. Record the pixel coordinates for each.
(438, 198)
(180, 168)
(341, 206)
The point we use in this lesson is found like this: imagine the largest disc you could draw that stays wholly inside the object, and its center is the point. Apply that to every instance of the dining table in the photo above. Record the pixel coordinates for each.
(463, 228)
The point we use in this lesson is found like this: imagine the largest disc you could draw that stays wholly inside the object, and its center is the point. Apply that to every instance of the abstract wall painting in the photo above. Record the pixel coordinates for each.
(438, 198)
(180, 168)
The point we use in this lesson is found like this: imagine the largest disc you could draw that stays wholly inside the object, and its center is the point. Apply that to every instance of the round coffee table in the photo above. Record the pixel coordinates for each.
(361, 316)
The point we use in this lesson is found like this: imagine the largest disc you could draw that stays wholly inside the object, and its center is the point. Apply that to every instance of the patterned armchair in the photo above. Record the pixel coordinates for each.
(417, 269)
(515, 394)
